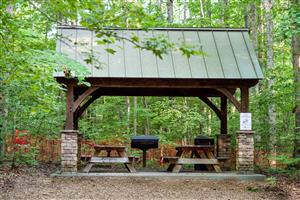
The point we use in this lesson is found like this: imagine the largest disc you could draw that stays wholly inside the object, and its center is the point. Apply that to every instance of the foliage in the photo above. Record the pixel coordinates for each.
(30, 98)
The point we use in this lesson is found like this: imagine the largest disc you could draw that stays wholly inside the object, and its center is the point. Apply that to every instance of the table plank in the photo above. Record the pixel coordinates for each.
(109, 160)
(205, 161)
(109, 147)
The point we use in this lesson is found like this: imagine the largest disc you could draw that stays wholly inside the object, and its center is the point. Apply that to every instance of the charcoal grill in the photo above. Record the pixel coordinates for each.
(203, 140)
(144, 142)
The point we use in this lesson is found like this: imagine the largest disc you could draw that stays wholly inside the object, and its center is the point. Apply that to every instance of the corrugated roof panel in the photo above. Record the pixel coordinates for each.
(100, 68)
(68, 45)
(148, 60)
(212, 60)
(132, 57)
(226, 55)
(242, 55)
(254, 59)
(165, 65)
(83, 50)
(58, 49)
(181, 64)
(197, 63)
(116, 60)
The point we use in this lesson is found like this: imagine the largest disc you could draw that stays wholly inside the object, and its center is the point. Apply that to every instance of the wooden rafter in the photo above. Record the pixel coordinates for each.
(83, 96)
(211, 105)
(82, 108)
(233, 100)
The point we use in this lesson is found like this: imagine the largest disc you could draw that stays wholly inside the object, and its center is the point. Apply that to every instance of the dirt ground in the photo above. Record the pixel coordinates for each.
(37, 184)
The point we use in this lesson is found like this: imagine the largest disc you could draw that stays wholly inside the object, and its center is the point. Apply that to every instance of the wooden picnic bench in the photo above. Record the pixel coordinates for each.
(193, 154)
(122, 157)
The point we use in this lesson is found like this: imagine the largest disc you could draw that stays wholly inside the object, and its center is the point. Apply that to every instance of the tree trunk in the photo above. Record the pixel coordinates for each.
(184, 10)
(146, 125)
(134, 115)
(170, 11)
(247, 16)
(224, 14)
(296, 65)
(128, 113)
(201, 9)
(254, 26)
(268, 4)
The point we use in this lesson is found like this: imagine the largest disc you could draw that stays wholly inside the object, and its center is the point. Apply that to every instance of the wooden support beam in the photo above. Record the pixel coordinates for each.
(82, 108)
(163, 83)
(233, 100)
(244, 99)
(224, 115)
(70, 108)
(211, 105)
(83, 96)
(75, 121)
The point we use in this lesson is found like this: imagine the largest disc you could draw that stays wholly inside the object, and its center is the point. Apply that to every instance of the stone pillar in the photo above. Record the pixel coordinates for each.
(69, 151)
(79, 140)
(223, 147)
(245, 152)
(224, 152)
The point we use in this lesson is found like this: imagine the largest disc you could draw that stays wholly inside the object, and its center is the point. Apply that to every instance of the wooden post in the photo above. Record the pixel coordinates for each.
(75, 120)
(70, 108)
(245, 141)
(244, 99)
(223, 115)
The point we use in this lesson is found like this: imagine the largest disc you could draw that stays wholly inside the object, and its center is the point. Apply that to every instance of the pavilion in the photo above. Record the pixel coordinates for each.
(229, 63)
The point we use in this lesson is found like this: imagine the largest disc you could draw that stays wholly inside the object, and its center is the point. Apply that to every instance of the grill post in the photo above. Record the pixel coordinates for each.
(144, 157)
(144, 142)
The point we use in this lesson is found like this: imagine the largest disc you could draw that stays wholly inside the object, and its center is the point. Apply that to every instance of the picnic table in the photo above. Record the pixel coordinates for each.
(193, 154)
(121, 158)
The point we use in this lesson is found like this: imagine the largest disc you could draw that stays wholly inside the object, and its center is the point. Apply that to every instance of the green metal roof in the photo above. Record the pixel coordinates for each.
(229, 54)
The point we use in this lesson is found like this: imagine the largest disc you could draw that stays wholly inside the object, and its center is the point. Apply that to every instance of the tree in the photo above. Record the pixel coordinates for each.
(268, 4)
(295, 10)
(170, 11)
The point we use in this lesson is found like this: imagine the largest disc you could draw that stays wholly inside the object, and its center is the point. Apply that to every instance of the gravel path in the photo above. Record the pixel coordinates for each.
(38, 185)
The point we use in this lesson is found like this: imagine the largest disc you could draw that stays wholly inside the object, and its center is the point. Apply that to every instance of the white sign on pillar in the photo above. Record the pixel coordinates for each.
(245, 122)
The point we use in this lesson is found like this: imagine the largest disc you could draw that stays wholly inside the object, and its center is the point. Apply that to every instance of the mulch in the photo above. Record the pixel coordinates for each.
(35, 183)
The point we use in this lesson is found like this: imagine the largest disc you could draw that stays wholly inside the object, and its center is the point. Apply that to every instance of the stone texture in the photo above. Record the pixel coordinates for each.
(224, 152)
(224, 146)
(69, 151)
(245, 152)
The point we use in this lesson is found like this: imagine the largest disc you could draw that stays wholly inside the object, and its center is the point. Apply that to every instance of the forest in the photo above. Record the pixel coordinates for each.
(31, 100)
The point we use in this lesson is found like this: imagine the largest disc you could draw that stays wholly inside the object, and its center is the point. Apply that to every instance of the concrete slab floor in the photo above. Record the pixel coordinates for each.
(181, 175)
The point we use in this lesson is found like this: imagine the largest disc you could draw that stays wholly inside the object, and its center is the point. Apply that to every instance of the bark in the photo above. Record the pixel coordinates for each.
(296, 65)
(184, 10)
(201, 9)
(10, 9)
(254, 26)
(201, 110)
(158, 3)
(208, 9)
(134, 115)
(268, 4)
(147, 125)
(170, 11)
(128, 113)
(224, 18)
(254, 30)
(247, 17)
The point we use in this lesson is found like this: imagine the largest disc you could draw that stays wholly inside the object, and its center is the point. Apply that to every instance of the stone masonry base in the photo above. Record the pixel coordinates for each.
(245, 152)
(224, 152)
(69, 151)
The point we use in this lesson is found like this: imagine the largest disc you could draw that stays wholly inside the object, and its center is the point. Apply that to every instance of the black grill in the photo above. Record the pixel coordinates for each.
(144, 142)
(203, 140)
